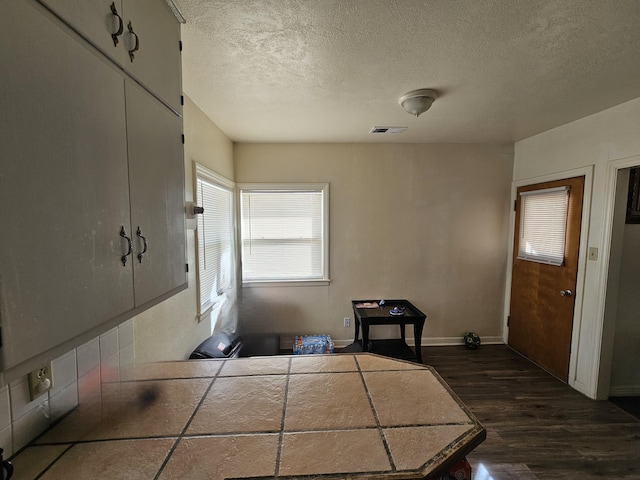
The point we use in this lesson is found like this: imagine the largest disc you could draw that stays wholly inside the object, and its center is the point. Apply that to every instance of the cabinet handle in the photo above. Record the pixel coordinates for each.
(123, 234)
(137, 44)
(120, 28)
(144, 245)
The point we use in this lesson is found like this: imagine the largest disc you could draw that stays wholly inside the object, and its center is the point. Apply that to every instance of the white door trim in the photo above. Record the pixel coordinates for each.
(604, 346)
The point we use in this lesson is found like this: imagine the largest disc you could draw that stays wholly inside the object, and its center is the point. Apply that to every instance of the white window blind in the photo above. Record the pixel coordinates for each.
(284, 233)
(216, 259)
(543, 222)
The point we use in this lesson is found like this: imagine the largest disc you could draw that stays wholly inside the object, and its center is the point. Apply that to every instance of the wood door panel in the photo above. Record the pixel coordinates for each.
(541, 320)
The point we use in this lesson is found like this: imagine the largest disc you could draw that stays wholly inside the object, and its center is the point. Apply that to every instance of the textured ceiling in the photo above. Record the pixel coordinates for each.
(330, 70)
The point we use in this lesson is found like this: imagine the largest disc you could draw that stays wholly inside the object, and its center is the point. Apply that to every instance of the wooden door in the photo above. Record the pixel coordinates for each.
(541, 312)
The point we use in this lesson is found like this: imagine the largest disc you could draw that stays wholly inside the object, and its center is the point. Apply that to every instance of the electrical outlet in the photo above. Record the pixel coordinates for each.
(347, 322)
(40, 381)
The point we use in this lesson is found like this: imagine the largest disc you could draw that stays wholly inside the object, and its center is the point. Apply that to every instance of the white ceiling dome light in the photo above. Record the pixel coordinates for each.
(418, 101)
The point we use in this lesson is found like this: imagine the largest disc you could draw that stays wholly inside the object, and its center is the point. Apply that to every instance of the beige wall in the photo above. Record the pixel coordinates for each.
(171, 330)
(424, 222)
(604, 142)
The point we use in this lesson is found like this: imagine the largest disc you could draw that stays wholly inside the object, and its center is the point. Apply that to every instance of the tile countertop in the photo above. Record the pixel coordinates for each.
(362, 416)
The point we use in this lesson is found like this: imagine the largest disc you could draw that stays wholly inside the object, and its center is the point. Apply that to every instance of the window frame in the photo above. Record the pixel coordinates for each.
(543, 258)
(280, 187)
(200, 171)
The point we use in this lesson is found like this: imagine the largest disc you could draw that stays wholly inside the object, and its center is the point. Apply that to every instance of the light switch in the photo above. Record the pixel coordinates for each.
(593, 253)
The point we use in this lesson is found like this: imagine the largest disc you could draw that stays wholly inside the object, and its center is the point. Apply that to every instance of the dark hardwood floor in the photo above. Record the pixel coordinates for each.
(628, 404)
(537, 426)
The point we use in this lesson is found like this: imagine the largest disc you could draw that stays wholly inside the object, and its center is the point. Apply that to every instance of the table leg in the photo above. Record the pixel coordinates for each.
(365, 336)
(356, 321)
(402, 332)
(417, 336)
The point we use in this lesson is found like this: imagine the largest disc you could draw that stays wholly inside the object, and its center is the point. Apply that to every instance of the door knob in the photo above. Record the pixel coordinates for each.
(566, 293)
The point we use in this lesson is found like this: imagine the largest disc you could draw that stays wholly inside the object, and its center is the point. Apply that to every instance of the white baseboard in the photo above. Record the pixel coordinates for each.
(624, 391)
(426, 342)
(442, 341)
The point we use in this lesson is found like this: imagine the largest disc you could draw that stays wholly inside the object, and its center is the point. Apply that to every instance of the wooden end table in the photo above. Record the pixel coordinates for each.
(371, 312)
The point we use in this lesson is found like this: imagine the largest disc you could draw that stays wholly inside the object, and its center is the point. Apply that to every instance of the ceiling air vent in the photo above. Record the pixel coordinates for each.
(388, 129)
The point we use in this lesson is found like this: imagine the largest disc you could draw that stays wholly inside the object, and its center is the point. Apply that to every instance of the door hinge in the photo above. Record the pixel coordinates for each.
(508, 320)
(0, 336)
(182, 100)
(183, 138)
(186, 267)
(180, 45)
(515, 202)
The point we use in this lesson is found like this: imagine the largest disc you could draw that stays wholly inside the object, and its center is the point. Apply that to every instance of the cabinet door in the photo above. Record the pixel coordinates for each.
(95, 20)
(157, 61)
(63, 186)
(149, 24)
(156, 177)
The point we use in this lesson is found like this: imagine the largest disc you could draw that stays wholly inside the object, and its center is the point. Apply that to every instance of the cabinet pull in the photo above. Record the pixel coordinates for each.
(123, 234)
(120, 28)
(144, 245)
(137, 44)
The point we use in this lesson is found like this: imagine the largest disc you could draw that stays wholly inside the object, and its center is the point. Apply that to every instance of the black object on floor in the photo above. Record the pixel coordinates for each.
(631, 405)
(394, 348)
(353, 348)
(218, 345)
(260, 345)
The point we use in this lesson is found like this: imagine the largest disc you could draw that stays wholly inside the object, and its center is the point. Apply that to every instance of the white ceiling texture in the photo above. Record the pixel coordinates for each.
(330, 70)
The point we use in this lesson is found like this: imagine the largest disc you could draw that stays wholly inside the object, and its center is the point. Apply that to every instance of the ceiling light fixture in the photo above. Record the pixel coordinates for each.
(418, 101)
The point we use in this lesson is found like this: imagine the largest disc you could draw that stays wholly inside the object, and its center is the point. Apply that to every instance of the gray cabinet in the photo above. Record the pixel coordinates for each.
(86, 154)
(96, 21)
(157, 195)
(141, 36)
(156, 64)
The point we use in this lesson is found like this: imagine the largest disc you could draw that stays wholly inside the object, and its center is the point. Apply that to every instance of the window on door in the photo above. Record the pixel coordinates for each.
(284, 233)
(543, 224)
(216, 239)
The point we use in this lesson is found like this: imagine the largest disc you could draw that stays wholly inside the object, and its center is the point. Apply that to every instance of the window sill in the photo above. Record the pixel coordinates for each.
(287, 283)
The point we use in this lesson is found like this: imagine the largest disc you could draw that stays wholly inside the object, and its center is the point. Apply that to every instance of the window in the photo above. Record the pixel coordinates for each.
(543, 222)
(215, 234)
(284, 232)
